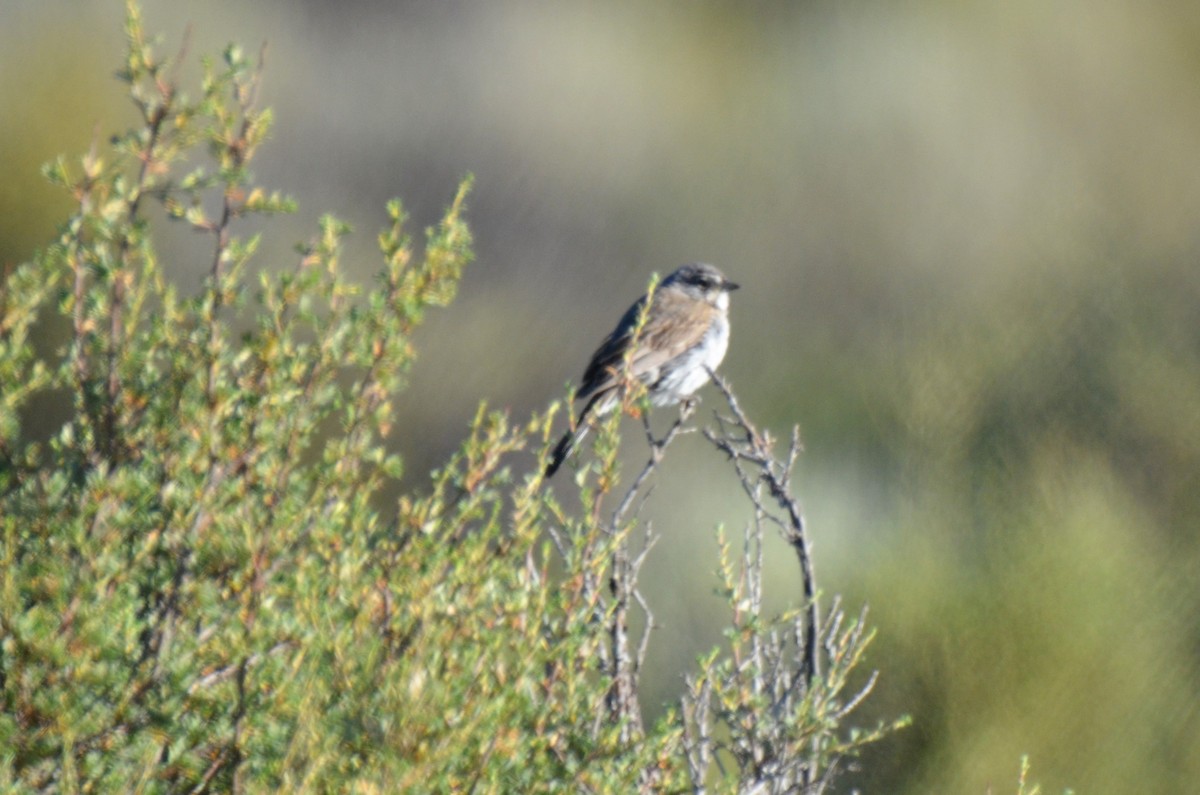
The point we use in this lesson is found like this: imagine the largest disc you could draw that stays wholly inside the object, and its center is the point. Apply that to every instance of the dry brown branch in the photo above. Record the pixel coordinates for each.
(623, 660)
(752, 454)
(767, 715)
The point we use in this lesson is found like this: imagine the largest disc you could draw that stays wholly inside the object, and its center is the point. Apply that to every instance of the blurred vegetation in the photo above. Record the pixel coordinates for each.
(967, 235)
(200, 591)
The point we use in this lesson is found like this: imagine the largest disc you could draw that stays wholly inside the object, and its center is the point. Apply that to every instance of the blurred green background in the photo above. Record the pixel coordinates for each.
(968, 235)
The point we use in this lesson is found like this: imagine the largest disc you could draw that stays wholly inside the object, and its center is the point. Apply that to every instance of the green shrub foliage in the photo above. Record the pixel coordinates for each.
(200, 590)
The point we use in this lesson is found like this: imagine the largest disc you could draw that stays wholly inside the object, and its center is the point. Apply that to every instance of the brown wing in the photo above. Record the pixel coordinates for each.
(676, 323)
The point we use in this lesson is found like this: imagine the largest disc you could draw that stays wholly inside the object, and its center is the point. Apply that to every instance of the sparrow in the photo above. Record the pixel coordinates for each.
(684, 336)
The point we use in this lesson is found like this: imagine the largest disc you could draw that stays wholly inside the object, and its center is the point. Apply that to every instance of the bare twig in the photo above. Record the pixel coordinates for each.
(697, 710)
(797, 667)
(232, 670)
(658, 448)
(746, 445)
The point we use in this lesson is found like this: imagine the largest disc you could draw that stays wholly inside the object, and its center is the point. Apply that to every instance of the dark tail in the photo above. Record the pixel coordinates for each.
(560, 454)
(566, 445)
(573, 437)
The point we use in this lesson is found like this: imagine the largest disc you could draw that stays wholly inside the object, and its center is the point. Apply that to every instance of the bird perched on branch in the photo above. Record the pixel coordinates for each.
(685, 334)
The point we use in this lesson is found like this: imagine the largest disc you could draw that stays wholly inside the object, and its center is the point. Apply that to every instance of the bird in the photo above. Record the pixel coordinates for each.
(685, 335)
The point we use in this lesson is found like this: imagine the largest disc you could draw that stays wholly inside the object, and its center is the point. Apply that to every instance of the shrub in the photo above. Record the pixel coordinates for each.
(201, 589)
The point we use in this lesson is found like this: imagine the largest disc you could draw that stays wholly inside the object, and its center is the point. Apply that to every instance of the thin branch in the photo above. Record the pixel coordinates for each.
(229, 671)
(658, 448)
(754, 447)
(644, 644)
(622, 664)
(859, 697)
(121, 277)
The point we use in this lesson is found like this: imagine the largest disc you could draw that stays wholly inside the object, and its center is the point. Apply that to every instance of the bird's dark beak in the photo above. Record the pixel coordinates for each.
(730, 286)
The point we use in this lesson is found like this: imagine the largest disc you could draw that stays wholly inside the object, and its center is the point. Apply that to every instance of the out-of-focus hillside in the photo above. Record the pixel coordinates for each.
(968, 238)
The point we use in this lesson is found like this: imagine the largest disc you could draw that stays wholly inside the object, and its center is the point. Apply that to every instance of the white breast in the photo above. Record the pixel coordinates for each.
(687, 373)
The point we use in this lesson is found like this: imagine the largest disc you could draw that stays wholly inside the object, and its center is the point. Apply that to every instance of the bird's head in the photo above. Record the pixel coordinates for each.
(703, 282)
